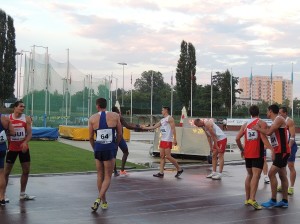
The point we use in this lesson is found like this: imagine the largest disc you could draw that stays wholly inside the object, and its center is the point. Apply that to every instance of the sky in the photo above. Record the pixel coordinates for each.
(230, 34)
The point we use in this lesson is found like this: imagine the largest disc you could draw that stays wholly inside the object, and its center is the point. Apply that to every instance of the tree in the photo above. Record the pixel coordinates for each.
(222, 82)
(7, 57)
(161, 90)
(185, 73)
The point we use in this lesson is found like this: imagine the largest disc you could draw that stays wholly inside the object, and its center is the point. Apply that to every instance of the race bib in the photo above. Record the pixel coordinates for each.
(3, 137)
(251, 134)
(274, 141)
(163, 131)
(19, 134)
(104, 136)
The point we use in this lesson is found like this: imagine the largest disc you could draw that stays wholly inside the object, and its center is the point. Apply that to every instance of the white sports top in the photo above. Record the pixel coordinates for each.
(219, 133)
(165, 129)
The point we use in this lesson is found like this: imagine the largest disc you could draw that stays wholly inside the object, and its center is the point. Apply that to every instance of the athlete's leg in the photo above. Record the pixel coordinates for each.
(273, 180)
(292, 169)
(108, 168)
(247, 182)
(171, 159)
(254, 182)
(25, 174)
(214, 160)
(221, 161)
(162, 160)
(284, 182)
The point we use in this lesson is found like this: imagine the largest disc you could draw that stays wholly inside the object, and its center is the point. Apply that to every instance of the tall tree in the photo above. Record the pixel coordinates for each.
(222, 82)
(7, 57)
(185, 73)
(161, 90)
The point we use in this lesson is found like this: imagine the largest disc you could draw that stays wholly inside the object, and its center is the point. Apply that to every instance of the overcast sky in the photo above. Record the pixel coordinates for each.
(227, 34)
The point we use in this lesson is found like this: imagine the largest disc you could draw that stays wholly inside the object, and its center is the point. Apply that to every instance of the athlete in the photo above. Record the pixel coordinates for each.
(254, 152)
(168, 138)
(106, 126)
(279, 142)
(292, 143)
(217, 141)
(123, 146)
(5, 125)
(18, 146)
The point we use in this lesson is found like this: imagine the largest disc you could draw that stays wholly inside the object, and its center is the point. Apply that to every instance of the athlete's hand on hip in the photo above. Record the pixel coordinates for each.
(175, 142)
(24, 147)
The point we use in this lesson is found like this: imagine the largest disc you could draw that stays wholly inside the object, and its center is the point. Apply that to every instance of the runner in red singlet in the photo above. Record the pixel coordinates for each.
(254, 152)
(18, 146)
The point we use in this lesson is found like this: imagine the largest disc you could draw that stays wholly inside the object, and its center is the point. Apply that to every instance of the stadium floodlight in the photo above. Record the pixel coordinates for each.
(123, 64)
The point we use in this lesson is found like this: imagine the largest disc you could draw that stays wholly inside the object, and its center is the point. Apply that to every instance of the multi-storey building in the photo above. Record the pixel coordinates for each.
(261, 89)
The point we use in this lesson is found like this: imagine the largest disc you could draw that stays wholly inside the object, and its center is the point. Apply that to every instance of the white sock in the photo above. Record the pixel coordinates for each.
(22, 193)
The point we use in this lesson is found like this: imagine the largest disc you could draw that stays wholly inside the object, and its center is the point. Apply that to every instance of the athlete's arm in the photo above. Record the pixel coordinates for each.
(7, 125)
(157, 125)
(264, 138)
(128, 126)
(277, 124)
(209, 126)
(91, 132)
(24, 145)
(238, 138)
(119, 130)
(173, 128)
(291, 125)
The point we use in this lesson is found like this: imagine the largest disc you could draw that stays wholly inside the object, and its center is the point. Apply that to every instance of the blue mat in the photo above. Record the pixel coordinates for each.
(44, 133)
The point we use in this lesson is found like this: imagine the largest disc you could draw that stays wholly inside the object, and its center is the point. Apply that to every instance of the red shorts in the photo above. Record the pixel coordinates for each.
(222, 145)
(165, 145)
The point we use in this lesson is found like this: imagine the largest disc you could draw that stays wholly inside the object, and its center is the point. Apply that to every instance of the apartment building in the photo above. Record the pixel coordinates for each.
(261, 89)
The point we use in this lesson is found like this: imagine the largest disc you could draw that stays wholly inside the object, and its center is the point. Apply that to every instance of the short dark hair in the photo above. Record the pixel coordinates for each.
(274, 108)
(17, 103)
(254, 111)
(167, 108)
(101, 102)
(115, 109)
(284, 109)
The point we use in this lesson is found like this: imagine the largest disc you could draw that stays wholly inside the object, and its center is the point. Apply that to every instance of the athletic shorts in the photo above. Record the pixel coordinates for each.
(123, 145)
(222, 145)
(2, 158)
(254, 163)
(294, 149)
(281, 159)
(165, 145)
(12, 156)
(104, 155)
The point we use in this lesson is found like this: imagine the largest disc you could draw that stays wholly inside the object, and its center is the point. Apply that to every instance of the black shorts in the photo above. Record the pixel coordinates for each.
(104, 155)
(254, 163)
(281, 159)
(12, 156)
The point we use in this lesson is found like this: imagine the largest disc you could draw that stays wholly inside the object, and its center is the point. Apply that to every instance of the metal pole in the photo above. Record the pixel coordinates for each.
(46, 90)
(32, 81)
(172, 94)
(191, 94)
(151, 95)
(123, 89)
(131, 100)
(211, 95)
(67, 78)
(231, 94)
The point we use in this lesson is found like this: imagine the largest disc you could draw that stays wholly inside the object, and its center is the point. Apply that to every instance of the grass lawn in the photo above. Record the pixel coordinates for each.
(56, 157)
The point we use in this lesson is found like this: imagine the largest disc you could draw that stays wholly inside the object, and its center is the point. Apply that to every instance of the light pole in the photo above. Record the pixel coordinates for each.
(298, 107)
(20, 74)
(17, 54)
(122, 63)
(47, 81)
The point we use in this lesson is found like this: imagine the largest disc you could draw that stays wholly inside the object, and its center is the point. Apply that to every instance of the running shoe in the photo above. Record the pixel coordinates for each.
(246, 202)
(26, 197)
(161, 175)
(282, 204)
(269, 204)
(266, 180)
(116, 174)
(2, 202)
(96, 204)
(104, 205)
(217, 176)
(6, 200)
(123, 172)
(179, 173)
(211, 175)
(254, 204)
(291, 191)
(279, 189)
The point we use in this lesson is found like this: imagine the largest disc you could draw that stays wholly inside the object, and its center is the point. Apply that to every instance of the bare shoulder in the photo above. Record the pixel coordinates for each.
(262, 123)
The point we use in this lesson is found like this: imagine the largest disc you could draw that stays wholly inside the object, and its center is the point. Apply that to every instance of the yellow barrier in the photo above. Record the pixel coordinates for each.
(82, 133)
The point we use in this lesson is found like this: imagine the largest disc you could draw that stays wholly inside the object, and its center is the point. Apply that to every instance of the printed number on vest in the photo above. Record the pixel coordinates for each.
(104, 136)
(274, 141)
(19, 134)
(251, 134)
